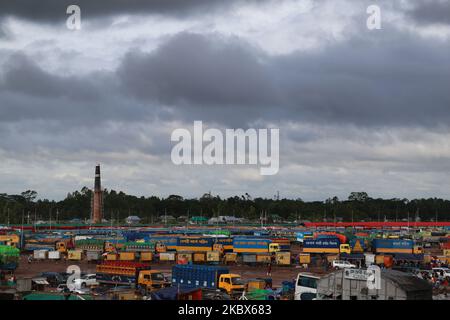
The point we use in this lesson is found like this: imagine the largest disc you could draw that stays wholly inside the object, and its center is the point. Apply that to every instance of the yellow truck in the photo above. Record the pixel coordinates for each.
(131, 273)
(12, 240)
(231, 283)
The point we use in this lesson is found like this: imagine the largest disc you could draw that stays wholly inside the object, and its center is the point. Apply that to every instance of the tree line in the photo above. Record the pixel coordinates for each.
(26, 208)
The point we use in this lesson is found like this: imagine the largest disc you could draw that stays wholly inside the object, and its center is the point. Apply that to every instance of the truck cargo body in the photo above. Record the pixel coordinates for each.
(326, 245)
(54, 255)
(358, 244)
(116, 279)
(93, 255)
(169, 242)
(197, 276)
(119, 272)
(40, 254)
(195, 244)
(393, 246)
(248, 245)
(227, 243)
(323, 235)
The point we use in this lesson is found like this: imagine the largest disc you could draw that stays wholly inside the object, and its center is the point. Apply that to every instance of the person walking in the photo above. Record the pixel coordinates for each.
(269, 269)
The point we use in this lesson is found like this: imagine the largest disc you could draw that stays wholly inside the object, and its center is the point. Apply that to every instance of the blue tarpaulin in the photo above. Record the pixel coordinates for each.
(170, 293)
(409, 257)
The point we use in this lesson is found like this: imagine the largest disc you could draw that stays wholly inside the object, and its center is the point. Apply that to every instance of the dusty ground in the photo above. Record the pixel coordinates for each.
(279, 274)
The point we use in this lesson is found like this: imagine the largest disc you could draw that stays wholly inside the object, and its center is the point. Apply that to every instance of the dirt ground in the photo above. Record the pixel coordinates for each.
(279, 273)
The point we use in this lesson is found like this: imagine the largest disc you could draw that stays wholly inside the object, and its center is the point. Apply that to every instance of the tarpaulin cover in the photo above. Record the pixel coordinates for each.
(170, 293)
(407, 256)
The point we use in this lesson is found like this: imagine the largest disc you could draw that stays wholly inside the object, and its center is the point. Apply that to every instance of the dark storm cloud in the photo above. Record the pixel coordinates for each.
(29, 92)
(55, 10)
(208, 73)
(376, 79)
(431, 12)
(22, 75)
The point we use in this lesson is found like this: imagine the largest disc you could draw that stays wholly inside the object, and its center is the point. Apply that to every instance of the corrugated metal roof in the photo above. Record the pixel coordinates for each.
(405, 281)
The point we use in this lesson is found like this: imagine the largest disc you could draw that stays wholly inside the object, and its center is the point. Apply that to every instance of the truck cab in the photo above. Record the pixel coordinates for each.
(61, 246)
(160, 247)
(306, 286)
(417, 250)
(218, 247)
(152, 279)
(109, 247)
(231, 283)
(345, 248)
(274, 247)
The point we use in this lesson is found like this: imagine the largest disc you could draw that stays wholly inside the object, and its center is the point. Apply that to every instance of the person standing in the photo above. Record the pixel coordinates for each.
(269, 269)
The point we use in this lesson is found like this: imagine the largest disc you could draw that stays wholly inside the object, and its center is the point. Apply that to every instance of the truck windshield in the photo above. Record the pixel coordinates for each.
(307, 282)
(236, 280)
(158, 276)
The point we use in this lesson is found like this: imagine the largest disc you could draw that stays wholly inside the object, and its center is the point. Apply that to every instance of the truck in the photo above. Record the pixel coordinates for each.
(12, 240)
(134, 274)
(201, 244)
(212, 277)
(393, 246)
(325, 245)
(254, 245)
(358, 245)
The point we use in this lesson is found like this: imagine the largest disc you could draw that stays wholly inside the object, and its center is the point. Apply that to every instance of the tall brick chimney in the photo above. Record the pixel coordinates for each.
(97, 201)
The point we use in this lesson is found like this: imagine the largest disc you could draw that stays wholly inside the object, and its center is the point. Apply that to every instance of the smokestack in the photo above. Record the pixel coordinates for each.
(97, 201)
(97, 186)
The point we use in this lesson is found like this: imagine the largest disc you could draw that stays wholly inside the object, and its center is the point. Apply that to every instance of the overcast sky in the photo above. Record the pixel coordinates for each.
(358, 109)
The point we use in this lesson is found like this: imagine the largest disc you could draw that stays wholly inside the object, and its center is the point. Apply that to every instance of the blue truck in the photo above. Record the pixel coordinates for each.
(394, 246)
(211, 277)
(254, 245)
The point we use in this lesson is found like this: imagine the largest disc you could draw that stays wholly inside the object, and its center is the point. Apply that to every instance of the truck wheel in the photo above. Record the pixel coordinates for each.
(83, 285)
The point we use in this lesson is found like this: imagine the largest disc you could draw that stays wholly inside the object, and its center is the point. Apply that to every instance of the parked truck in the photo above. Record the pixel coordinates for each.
(325, 245)
(395, 246)
(212, 277)
(255, 245)
(134, 274)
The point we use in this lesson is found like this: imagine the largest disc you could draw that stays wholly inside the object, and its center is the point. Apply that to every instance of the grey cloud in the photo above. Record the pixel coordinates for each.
(22, 75)
(55, 10)
(210, 75)
(431, 12)
(380, 79)
(29, 92)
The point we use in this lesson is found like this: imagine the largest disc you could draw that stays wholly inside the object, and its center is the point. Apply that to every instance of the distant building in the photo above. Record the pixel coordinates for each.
(199, 220)
(133, 220)
(167, 218)
(225, 219)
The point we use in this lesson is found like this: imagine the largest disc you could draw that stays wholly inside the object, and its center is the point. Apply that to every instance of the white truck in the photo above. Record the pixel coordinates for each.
(306, 286)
